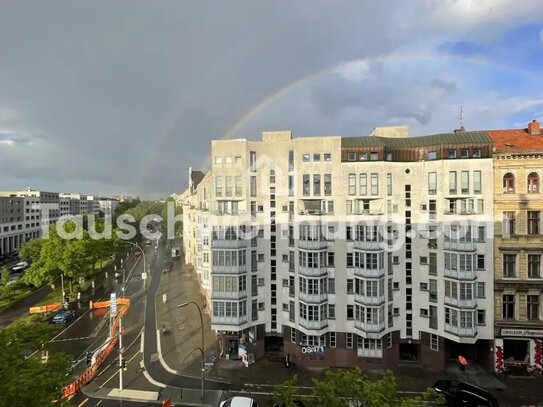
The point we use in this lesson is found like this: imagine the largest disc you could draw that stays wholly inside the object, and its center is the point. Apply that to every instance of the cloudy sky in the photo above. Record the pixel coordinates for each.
(122, 97)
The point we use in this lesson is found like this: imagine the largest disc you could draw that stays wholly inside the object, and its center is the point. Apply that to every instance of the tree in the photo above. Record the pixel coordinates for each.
(4, 273)
(285, 393)
(31, 249)
(348, 388)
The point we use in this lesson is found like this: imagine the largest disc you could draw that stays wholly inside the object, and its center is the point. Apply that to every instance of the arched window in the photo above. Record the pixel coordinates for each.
(509, 183)
(533, 182)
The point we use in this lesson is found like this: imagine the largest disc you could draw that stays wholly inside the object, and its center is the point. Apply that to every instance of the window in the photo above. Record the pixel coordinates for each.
(228, 188)
(451, 154)
(293, 335)
(316, 184)
(533, 222)
(433, 290)
(350, 286)
(327, 184)
(464, 153)
(291, 185)
(228, 160)
(375, 184)
(452, 182)
(218, 185)
(476, 153)
(291, 160)
(327, 157)
(480, 262)
(218, 160)
(238, 185)
(363, 157)
(508, 223)
(533, 183)
(434, 342)
(481, 234)
(350, 312)
(534, 266)
(352, 184)
(509, 265)
(306, 184)
(374, 156)
(252, 161)
(432, 183)
(432, 155)
(237, 159)
(349, 340)
(508, 306)
(306, 158)
(316, 157)
(351, 157)
(533, 306)
(481, 317)
(331, 311)
(509, 183)
(477, 182)
(389, 184)
(253, 185)
(332, 336)
(363, 180)
(465, 182)
(480, 287)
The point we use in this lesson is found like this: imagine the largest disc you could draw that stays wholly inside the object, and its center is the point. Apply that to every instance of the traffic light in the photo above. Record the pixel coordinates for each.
(123, 364)
(89, 358)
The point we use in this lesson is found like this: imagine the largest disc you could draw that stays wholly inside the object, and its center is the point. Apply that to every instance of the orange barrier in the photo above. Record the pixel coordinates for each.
(88, 374)
(45, 308)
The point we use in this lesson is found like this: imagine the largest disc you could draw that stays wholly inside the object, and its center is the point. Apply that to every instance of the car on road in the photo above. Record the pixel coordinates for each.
(118, 274)
(239, 402)
(167, 267)
(23, 265)
(463, 394)
(137, 254)
(148, 243)
(63, 316)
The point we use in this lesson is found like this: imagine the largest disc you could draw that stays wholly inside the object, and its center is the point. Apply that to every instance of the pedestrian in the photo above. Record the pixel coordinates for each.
(78, 296)
(159, 394)
(92, 284)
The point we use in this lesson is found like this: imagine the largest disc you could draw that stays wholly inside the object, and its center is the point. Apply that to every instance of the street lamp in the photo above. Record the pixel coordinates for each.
(201, 348)
(121, 319)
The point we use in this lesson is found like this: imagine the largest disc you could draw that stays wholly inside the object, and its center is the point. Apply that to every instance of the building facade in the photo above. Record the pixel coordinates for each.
(518, 205)
(348, 252)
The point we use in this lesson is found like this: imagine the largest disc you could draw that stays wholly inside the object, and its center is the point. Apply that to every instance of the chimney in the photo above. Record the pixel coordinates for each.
(533, 128)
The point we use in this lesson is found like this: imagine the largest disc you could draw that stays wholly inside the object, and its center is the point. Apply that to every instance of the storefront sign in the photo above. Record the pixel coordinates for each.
(538, 333)
(313, 349)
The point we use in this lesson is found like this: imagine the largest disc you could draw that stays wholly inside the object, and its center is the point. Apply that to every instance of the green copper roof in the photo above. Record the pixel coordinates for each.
(463, 137)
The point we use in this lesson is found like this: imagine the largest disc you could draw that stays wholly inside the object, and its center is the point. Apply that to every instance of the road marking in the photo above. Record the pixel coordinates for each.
(117, 369)
(83, 402)
(72, 339)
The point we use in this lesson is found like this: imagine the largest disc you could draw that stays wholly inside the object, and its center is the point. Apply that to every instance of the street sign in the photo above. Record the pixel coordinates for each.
(144, 276)
(113, 307)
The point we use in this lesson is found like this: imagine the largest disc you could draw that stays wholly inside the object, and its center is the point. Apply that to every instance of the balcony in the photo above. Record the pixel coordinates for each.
(455, 302)
(461, 274)
(313, 298)
(369, 300)
(228, 295)
(312, 271)
(316, 325)
(469, 332)
(470, 246)
(368, 245)
(228, 269)
(311, 212)
(460, 212)
(369, 212)
(369, 327)
(369, 273)
(228, 244)
(229, 212)
(312, 244)
(231, 321)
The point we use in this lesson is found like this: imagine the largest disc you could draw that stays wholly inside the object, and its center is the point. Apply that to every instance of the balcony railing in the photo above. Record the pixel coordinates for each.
(468, 332)
(228, 244)
(229, 295)
(368, 245)
(455, 302)
(311, 212)
(233, 321)
(460, 212)
(228, 269)
(461, 274)
(370, 212)
(368, 327)
(470, 246)
(312, 271)
(370, 273)
(312, 244)
(317, 325)
(369, 300)
(229, 213)
(313, 298)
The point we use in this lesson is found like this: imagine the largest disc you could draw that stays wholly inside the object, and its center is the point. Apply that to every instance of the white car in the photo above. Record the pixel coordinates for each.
(239, 402)
(19, 267)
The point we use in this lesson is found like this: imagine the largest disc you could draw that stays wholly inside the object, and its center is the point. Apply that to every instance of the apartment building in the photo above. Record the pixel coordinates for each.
(11, 224)
(518, 288)
(348, 251)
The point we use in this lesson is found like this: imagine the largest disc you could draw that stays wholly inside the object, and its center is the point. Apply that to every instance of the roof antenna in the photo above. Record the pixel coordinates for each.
(461, 119)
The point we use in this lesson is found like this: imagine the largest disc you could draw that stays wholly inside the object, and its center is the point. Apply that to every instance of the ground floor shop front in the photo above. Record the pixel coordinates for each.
(518, 350)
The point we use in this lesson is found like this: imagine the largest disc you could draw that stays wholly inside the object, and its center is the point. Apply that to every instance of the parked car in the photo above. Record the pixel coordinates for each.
(118, 274)
(239, 402)
(148, 243)
(23, 265)
(463, 394)
(63, 316)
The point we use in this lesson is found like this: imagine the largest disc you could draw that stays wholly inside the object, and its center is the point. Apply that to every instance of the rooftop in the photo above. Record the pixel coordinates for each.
(460, 137)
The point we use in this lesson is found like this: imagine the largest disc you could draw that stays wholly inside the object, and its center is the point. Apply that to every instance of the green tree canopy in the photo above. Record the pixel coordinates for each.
(31, 249)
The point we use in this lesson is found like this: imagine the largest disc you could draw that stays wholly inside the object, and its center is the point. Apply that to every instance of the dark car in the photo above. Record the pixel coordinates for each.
(464, 394)
(63, 316)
